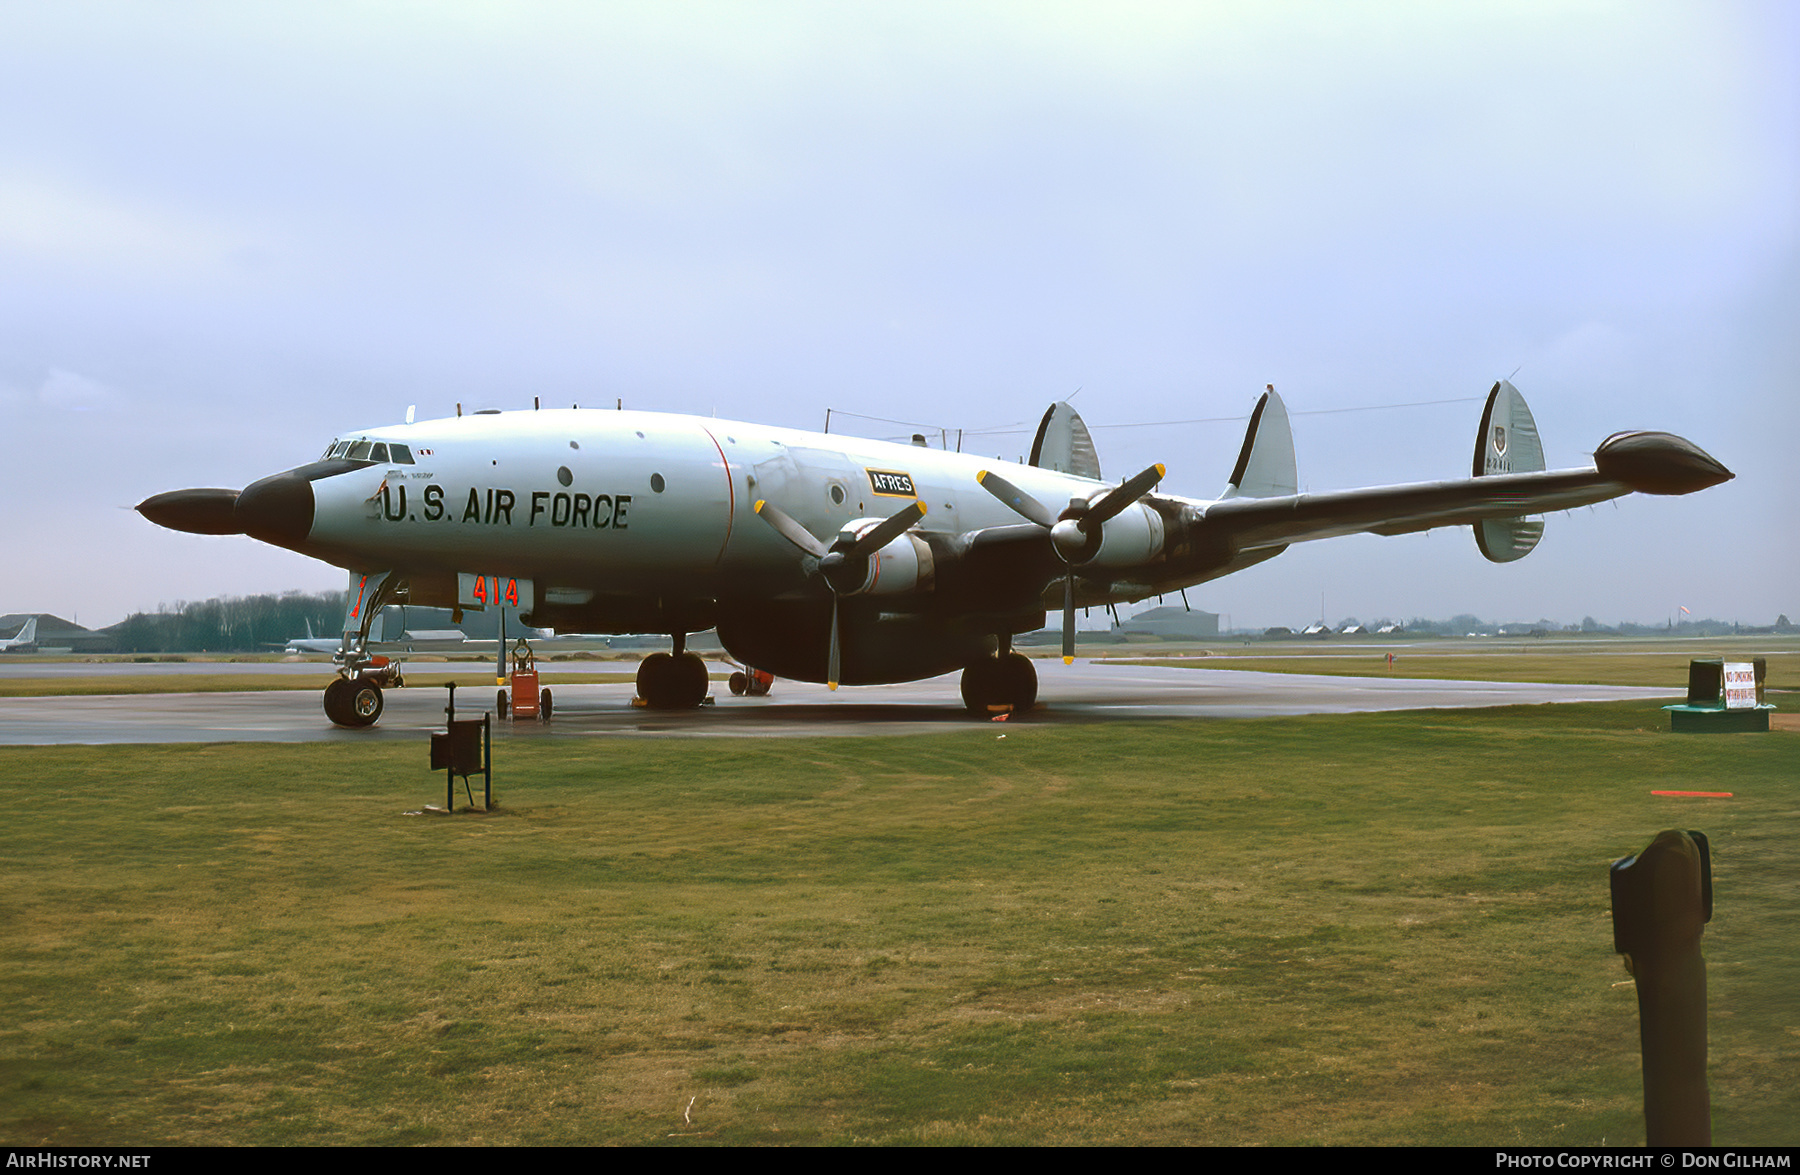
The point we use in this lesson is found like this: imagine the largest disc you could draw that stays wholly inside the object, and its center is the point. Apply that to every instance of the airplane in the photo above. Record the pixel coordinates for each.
(313, 644)
(411, 640)
(828, 558)
(23, 641)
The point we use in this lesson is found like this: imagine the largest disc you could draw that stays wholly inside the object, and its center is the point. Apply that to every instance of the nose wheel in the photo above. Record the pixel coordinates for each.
(353, 702)
(998, 684)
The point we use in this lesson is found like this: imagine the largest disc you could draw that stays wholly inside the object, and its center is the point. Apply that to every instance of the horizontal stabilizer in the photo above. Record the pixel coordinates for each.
(1507, 442)
(1265, 465)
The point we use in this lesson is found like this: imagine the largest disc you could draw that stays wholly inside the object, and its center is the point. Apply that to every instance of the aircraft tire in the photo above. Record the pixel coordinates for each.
(544, 706)
(694, 682)
(1020, 681)
(653, 680)
(365, 703)
(501, 705)
(982, 686)
(739, 683)
(337, 702)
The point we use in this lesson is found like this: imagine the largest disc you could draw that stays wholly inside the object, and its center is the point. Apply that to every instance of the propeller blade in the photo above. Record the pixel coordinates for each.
(789, 529)
(877, 537)
(831, 661)
(1115, 500)
(1069, 618)
(1022, 503)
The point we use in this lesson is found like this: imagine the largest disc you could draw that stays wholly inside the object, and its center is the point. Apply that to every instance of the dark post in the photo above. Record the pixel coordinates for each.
(1662, 899)
(450, 768)
(487, 761)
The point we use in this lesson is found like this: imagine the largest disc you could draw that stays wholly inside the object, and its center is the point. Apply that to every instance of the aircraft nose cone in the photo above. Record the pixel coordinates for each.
(277, 509)
(194, 511)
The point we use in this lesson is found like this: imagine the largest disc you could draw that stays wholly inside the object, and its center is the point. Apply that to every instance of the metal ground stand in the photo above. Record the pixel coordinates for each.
(463, 749)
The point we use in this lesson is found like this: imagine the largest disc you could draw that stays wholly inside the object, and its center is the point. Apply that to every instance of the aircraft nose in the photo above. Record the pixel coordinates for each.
(277, 509)
(194, 511)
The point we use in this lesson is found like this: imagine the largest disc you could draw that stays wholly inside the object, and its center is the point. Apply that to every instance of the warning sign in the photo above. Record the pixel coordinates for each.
(1740, 685)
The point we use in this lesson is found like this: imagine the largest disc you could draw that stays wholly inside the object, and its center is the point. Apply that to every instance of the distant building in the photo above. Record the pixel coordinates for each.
(1170, 623)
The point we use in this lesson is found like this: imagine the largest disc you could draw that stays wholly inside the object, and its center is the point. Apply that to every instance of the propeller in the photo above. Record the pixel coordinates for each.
(844, 565)
(1076, 533)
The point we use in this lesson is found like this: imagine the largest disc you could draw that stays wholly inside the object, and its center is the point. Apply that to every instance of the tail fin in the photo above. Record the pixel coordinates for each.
(27, 633)
(1507, 443)
(1064, 444)
(1265, 465)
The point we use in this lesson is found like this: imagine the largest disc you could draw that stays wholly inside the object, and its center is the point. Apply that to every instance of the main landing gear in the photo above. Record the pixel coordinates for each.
(1000, 684)
(676, 681)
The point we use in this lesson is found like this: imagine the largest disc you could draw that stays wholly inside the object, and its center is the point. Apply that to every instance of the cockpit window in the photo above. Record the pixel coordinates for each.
(400, 454)
(338, 449)
(359, 451)
(326, 455)
(378, 454)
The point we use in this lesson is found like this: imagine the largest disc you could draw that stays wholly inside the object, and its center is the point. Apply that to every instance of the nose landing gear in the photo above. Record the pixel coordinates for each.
(356, 701)
(353, 699)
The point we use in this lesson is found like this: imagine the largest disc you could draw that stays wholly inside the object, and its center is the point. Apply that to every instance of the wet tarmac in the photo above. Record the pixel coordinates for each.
(1084, 692)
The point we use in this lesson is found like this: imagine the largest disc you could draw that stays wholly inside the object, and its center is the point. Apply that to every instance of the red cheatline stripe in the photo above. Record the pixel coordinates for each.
(1713, 795)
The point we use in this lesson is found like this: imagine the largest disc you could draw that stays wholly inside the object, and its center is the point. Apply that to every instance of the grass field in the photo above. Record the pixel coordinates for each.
(1382, 928)
(1647, 669)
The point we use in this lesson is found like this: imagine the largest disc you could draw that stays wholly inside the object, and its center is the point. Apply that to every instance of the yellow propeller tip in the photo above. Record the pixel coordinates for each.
(760, 503)
(1068, 660)
(831, 685)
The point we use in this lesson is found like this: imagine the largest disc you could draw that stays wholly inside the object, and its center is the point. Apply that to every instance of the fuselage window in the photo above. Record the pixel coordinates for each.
(359, 451)
(378, 454)
(400, 455)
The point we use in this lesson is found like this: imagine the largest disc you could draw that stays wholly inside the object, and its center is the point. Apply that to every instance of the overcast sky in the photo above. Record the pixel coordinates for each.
(230, 232)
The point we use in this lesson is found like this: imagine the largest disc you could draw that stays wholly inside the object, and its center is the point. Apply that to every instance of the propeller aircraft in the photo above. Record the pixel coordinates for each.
(829, 558)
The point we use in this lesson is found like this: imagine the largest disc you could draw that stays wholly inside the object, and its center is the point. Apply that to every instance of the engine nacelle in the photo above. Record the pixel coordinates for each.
(902, 567)
(1130, 538)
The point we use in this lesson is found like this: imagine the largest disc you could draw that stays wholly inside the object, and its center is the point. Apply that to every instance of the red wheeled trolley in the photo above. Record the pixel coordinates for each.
(527, 700)
(755, 682)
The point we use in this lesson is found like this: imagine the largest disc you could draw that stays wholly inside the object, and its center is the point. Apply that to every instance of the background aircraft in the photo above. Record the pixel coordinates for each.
(837, 559)
(23, 641)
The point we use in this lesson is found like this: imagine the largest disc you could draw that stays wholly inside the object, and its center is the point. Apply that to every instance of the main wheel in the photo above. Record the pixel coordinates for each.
(544, 705)
(654, 675)
(502, 707)
(738, 683)
(691, 673)
(981, 686)
(1019, 682)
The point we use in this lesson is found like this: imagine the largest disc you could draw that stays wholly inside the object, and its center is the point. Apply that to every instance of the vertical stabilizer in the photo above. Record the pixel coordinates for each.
(1063, 443)
(1265, 465)
(1507, 443)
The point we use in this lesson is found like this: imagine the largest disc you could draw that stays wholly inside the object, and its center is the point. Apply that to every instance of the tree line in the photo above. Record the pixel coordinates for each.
(232, 624)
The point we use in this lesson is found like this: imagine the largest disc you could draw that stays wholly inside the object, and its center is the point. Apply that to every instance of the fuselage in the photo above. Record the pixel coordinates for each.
(591, 503)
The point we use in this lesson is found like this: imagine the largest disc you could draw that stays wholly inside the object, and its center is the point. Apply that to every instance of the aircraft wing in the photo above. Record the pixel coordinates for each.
(1655, 463)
